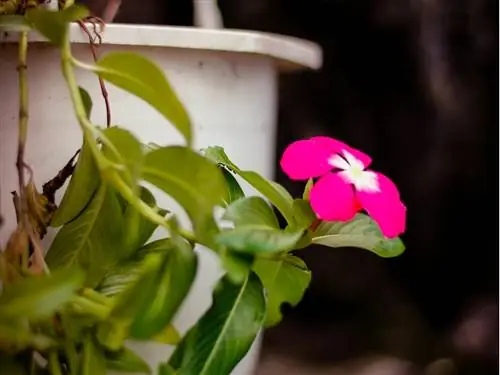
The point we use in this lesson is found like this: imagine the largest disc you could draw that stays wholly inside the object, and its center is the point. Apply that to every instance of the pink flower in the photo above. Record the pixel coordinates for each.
(344, 186)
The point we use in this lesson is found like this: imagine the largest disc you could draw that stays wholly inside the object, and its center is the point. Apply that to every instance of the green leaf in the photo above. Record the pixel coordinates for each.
(361, 232)
(192, 180)
(166, 369)
(168, 335)
(87, 101)
(39, 297)
(285, 281)
(122, 148)
(258, 239)
(126, 360)
(225, 333)
(137, 228)
(94, 240)
(237, 265)
(307, 189)
(128, 272)
(145, 79)
(81, 188)
(13, 22)
(257, 228)
(127, 303)
(172, 284)
(53, 25)
(303, 213)
(278, 195)
(251, 211)
(93, 361)
(233, 187)
(148, 297)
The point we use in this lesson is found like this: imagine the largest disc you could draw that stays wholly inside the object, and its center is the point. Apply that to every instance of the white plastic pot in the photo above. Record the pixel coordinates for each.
(226, 79)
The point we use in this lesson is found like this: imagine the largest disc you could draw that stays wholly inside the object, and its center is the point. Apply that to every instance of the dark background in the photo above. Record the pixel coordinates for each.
(415, 85)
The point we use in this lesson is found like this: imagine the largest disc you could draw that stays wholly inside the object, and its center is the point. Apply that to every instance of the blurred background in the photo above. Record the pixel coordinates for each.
(414, 83)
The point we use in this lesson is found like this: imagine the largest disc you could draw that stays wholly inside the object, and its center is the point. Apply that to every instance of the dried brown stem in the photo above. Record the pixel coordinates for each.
(20, 164)
(50, 188)
(94, 42)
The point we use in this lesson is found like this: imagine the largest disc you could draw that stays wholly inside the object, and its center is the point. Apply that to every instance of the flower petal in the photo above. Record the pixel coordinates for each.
(305, 159)
(337, 147)
(385, 206)
(332, 199)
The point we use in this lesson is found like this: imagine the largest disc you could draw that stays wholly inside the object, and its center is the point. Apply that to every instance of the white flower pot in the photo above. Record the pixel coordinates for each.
(226, 79)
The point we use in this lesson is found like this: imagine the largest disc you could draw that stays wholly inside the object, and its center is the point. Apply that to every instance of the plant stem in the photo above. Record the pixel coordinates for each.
(85, 306)
(145, 210)
(86, 126)
(21, 145)
(54, 366)
(315, 224)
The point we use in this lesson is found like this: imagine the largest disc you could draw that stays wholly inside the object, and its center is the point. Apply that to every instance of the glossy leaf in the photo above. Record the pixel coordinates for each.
(236, 264)
(257, 229)
(285, 281)
(87, 101)
(53, 25)
(251, 211)
(259, 240)
(127, 272)
(81, 188)
(138, 229)
(361, 232)
(39, 297)
(276, 194)
(173, 283)
(126, 360)
(128, 303)
(303, 213)
(122, 148)
(233, 187)
(143, 78)
(92, 241)
(193, 181)
(224, 334)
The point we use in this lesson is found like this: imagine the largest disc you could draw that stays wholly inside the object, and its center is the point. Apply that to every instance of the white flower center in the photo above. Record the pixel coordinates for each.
(352, 171)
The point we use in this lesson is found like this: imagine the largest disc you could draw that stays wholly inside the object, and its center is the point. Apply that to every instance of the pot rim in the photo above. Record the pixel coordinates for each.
(290, 53)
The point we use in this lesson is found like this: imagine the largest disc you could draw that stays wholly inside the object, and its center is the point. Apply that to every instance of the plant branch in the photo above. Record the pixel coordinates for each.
(93, 49)
(54, 366)
(148, 212)
(22, 138)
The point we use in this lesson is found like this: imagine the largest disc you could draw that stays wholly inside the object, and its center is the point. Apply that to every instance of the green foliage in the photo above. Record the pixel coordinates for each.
(39, 297)
(225, 333)
(276, 194)
(144, 79)
(361, 232)
(191, 180)
(81, 188)
(110, 281)
(126, 360)
(285, 280)
(52, 24)
(94, 240)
